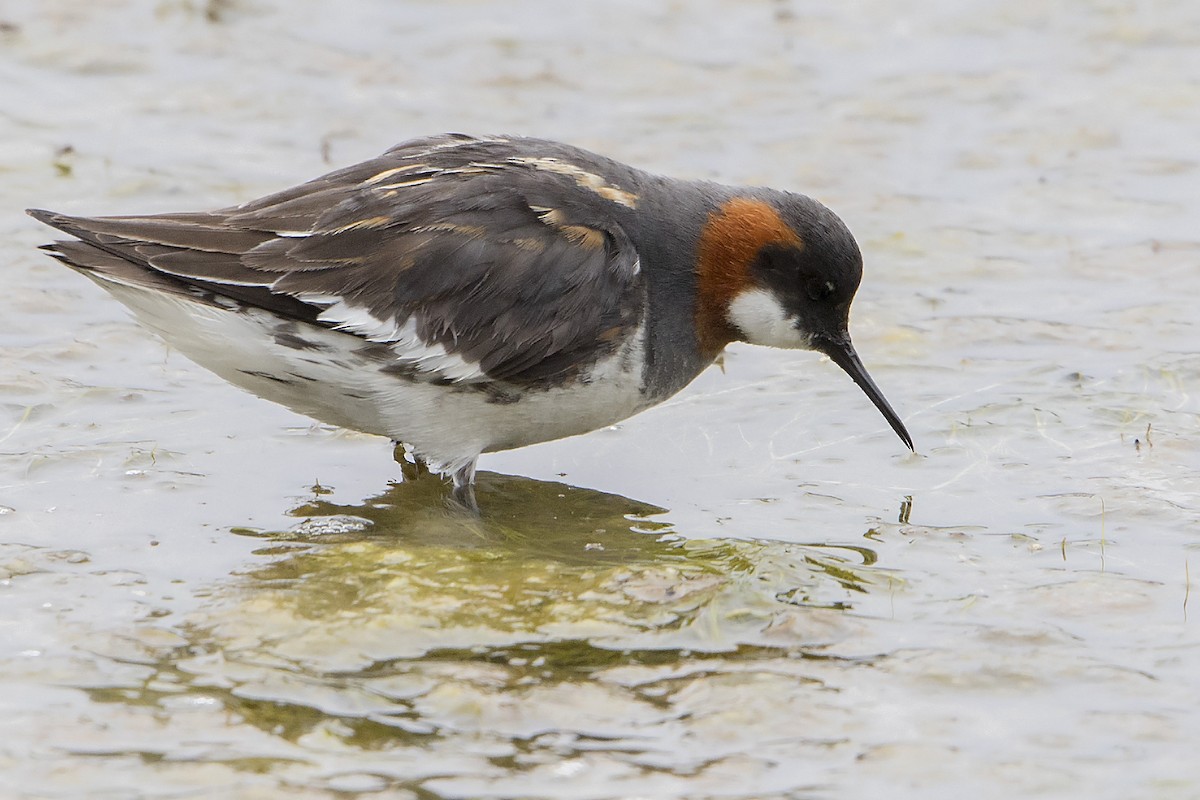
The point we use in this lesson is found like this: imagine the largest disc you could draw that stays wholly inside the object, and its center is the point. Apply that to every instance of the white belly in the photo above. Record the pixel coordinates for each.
(339, 383)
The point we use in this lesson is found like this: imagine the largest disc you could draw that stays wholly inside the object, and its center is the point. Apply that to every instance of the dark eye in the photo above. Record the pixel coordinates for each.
(819, 288)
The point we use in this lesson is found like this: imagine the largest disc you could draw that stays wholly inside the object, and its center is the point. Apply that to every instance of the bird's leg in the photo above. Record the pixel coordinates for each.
(411, 470)
(464, 487)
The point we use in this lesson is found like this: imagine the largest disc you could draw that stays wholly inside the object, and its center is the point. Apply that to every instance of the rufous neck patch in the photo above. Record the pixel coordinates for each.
(730, 241)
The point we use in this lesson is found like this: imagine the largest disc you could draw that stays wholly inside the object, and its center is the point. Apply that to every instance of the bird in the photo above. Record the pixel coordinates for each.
(467, 294)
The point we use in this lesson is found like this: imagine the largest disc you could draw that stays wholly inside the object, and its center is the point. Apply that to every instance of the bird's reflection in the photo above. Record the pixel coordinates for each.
(540, 555)
(399, 615)
(519, 517)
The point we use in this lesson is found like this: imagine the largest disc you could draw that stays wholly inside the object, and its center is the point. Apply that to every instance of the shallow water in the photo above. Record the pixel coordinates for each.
(751, 591)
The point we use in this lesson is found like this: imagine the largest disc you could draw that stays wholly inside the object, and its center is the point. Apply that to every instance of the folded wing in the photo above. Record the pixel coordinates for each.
(448, 244)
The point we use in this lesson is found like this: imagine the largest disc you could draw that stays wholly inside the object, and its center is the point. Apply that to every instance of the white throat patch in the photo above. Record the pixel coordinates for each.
(764, 321)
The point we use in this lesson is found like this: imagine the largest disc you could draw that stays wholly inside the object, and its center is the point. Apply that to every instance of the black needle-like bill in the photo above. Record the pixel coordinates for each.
(841, 350)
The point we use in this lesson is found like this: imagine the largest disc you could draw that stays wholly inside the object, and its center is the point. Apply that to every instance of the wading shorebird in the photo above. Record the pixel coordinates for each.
(464, 295)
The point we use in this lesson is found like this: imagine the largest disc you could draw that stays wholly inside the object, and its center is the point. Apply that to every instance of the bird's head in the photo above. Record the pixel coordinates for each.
(781, 270)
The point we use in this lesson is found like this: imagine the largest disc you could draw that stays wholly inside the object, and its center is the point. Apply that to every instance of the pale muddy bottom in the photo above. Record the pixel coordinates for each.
(751, 591)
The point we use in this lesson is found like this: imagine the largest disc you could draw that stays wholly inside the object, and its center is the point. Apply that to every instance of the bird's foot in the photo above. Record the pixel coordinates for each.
(462, 498)
(464, 488)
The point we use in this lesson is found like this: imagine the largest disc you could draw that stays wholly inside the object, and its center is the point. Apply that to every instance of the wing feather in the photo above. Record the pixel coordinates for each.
(454, 241)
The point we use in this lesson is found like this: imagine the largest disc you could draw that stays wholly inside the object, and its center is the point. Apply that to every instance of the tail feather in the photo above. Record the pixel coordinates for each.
(192, 231)
(103, 266)
(107, 258)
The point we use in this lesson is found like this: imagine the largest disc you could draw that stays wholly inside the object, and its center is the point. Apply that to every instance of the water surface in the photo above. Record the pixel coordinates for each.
(751, 591)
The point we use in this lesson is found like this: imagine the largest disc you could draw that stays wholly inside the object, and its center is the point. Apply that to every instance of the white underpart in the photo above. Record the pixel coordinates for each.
(763, 320)
(335, 382)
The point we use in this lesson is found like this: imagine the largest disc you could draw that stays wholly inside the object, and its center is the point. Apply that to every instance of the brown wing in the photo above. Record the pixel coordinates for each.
(453, 237)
